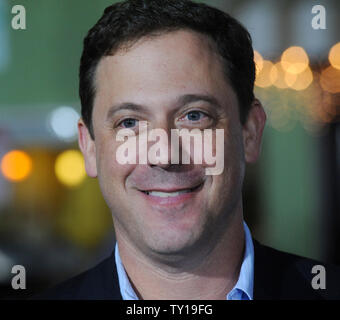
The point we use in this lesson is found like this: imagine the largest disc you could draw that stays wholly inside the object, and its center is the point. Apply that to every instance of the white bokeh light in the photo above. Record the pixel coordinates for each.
(63, 122)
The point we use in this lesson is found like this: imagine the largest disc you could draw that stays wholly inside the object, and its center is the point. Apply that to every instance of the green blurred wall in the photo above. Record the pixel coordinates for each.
(44, 58)
(289, 192)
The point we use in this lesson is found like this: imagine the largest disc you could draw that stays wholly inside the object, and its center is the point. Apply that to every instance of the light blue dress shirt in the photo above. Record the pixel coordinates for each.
(243, 289)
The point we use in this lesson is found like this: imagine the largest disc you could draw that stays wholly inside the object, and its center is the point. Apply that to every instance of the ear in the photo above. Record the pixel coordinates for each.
(88, 148)
(252, 131)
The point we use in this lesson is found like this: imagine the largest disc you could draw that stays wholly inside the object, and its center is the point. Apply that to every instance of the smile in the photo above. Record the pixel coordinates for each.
(170, 197)
(169, 194)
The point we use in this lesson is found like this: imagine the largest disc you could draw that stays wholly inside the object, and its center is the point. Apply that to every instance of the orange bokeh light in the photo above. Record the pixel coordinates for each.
(265, 78)
(16, 165)
(258, 62)
(330, 80)
(334, 56)
(277, 75)
(294, 60)
(299, 81)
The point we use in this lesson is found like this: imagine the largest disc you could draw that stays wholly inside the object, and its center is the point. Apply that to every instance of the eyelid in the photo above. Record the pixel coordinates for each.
(119, 122)
(195, 110)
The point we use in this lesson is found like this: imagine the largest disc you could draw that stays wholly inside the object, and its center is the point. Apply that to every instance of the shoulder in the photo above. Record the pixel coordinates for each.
(282, 275)
(97, 283)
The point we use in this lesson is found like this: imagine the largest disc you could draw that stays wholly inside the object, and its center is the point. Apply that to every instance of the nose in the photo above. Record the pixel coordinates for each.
(159, 146)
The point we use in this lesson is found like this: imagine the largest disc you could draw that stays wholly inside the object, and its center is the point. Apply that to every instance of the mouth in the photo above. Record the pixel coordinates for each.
(171, 196)
(175, 193)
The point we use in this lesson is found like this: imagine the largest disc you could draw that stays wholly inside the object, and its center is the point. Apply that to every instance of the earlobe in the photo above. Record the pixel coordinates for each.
(88, 148)
(252, 132)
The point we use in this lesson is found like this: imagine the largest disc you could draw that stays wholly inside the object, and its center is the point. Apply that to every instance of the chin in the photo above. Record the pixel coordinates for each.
(173, 242)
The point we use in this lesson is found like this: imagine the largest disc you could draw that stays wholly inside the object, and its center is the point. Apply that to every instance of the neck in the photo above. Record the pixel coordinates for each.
(210, 279)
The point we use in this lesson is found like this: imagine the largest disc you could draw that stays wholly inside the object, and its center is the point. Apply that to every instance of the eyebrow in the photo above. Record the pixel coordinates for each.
(190, 98)
(181, 101)
(125, 106)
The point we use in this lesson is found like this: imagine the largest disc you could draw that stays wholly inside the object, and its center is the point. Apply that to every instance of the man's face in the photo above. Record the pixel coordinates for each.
(155, 76)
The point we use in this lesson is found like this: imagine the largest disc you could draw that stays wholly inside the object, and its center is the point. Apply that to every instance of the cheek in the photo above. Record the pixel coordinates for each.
(111, 173)
(228, 184)
(234, 144)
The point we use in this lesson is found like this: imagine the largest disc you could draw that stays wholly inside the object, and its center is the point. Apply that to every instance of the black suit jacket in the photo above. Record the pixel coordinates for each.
(277, 275)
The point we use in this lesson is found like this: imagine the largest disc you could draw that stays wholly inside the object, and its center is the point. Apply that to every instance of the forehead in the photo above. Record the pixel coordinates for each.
(158, 67)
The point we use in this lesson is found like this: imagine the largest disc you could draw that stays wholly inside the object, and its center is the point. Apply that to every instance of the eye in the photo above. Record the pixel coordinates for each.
(195, 115)
(128, 123)
(195, 119)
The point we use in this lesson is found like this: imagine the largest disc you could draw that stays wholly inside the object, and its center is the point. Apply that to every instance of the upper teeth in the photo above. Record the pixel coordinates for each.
(166, 194)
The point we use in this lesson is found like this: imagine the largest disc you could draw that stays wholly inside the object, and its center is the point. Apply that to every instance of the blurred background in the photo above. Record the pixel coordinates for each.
(53, 219)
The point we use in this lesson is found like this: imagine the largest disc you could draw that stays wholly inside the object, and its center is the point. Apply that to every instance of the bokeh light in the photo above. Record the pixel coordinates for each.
(299, 81)
(16, 165)
(277, 76)
(334, 56)
(63, 122)
(258, 62)
(330, 80)
(264, 78)
(70, 168)
(294, 60)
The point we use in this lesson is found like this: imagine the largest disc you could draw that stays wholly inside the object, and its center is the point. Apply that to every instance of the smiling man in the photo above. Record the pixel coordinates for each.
(176, 64)
(164, 238)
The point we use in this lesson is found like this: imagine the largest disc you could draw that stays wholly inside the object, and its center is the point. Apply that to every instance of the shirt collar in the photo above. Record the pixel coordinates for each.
(243, 289)
(124, 284)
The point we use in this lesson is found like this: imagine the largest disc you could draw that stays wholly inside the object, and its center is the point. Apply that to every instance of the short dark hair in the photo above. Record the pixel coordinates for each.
(129, 21)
